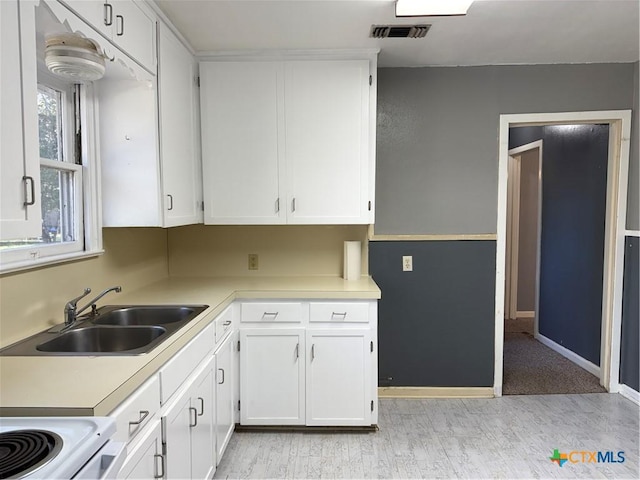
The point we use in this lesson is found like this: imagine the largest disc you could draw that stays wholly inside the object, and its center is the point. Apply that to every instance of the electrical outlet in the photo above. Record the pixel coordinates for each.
(253, 261)
(407, 263)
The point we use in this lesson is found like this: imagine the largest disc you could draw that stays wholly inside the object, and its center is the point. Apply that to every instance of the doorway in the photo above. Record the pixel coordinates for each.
(616, 167)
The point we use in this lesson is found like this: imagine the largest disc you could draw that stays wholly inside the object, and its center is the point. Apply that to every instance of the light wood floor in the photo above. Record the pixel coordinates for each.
(508, 437)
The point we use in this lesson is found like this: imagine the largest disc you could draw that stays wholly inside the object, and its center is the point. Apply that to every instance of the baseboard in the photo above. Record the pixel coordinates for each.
(525, 314)
(568, 354)
(629, 393)
(435, 392)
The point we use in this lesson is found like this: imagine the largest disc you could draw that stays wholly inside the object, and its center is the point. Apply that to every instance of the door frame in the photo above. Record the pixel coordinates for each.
(512, 245)
(619, 122)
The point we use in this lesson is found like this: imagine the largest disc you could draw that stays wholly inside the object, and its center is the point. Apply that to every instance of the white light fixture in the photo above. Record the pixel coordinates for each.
(429, 8)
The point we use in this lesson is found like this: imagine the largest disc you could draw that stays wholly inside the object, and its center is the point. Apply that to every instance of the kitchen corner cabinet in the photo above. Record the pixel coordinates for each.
(126, 23)
(20, 207)
(148, 142)
(308, 363)
(189, 428)
(287, 141)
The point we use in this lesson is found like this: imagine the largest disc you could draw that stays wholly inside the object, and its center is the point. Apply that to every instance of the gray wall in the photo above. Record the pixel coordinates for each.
(436, 323)
(633, 205)
(629, 350)
(437, 144)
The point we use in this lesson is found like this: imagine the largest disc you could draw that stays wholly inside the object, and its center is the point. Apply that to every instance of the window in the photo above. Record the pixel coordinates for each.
(65, 194)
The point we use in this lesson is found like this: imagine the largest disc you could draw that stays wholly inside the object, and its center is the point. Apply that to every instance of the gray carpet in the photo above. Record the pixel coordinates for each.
(531, 368)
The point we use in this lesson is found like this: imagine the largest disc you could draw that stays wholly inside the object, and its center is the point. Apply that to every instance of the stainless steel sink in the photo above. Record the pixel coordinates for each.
(110, 330)
(151, 315)
(100, 340)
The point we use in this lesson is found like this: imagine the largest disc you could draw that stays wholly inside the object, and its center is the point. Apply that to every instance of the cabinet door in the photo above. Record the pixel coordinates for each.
(338, 377)
(177, 424)
(98, 14)
(203, 456)
(134, 32)
(182, 185)
(327, 125)
(272, 377)
(18, 123)
(224, 395)
(241, 116)
(145, 460)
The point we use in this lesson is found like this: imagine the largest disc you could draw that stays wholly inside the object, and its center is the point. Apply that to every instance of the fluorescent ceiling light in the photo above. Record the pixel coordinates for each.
(428, 8)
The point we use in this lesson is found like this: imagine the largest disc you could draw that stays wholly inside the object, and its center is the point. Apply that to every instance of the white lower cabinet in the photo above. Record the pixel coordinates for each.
(225, 421)
(320, 371)
(338, 377)
(272, 376)
(188, 427)
(145, 460)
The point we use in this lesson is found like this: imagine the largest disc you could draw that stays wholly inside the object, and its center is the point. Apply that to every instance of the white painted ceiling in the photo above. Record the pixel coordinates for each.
(494, 32)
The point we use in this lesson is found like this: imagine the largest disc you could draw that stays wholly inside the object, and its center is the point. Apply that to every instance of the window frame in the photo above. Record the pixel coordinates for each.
(87, 224)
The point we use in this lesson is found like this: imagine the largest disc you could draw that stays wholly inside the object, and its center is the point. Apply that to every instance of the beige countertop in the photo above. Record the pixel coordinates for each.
(62, 386)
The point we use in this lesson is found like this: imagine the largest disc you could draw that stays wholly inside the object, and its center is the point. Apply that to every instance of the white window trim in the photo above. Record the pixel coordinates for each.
(90, 178)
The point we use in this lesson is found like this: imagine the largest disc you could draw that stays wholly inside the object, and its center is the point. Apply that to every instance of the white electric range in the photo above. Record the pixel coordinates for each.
(59, 448)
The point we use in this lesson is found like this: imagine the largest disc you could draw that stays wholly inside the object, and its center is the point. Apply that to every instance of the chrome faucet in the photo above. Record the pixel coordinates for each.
(71, 310)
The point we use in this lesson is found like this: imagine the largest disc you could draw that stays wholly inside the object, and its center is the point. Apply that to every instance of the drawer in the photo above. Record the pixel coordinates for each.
(224, 324)
(276, 312)
(342, 312)
(137, 410)
(176, 370)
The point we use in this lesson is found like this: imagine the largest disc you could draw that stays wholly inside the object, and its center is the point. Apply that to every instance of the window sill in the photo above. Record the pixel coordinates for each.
(47, 261)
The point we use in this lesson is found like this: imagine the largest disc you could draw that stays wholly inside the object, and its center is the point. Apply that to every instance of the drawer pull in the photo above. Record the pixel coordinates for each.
(270, 314)
(221, 370)
(201, 406)
(159, 473)
(195, 417)
(227, 323)
(143, 414)
(339, 314)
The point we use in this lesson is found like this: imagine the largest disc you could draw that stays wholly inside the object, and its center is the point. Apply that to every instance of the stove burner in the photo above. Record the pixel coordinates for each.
(23, 451)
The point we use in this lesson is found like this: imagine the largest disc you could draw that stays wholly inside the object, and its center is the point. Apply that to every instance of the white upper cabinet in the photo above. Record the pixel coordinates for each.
(241, 110)
(288, 141)
(149, 142)
(20, 215)
(179, 131)
(327, 135)
(126, 23)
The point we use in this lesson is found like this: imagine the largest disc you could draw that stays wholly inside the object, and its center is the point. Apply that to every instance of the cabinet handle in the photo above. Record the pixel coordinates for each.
(313, 351)
(170, 202)
(270, 314)
(339, 314)
(297, 350)
(119, 25)
(195, 417)
(293, 205)
(201, 406)
(278, 205)
(227, 323)
(161, 473)
(108, 14)
(32, 190)
(143, 414)
(222, 370)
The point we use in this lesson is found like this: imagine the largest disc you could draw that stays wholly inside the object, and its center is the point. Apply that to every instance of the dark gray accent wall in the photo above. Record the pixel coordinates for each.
(629, 350)
(436, 323)
(437, 138)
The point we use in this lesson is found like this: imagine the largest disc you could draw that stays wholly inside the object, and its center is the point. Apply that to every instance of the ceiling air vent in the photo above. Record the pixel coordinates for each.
(399, 31)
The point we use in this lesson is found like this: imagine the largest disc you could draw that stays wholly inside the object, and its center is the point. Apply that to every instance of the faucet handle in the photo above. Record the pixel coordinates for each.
(73, 302)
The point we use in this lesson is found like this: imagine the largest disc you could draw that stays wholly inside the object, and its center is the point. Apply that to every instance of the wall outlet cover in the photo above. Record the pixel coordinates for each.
(407, 263)
(253, 261)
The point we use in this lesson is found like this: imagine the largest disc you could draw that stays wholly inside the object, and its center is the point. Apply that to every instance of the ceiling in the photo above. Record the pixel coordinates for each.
(494, 32)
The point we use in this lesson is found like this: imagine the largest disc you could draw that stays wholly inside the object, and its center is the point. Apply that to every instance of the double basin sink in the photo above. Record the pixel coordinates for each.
(111, 330)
